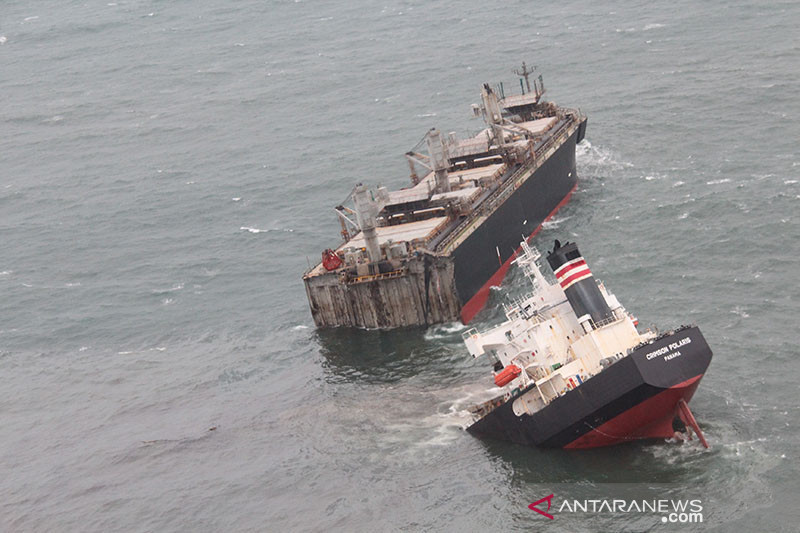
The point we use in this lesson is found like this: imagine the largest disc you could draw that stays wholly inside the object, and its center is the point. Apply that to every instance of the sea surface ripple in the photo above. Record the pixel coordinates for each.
(169, 170)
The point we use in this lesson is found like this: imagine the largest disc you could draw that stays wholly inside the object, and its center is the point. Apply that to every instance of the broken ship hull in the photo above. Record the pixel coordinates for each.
(638, 397)
(454, 283)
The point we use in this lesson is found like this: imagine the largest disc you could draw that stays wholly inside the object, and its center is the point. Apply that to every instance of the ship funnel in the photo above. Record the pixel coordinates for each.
(576, 280)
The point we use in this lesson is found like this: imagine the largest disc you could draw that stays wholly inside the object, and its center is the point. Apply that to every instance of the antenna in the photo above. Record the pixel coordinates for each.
(524, 72)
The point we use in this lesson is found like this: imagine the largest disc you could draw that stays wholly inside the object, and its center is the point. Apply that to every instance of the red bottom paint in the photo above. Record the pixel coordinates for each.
(650, 419)
(478, 300)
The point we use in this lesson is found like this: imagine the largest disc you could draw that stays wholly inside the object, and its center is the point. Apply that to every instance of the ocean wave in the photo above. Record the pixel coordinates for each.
(739, 311)
(554, 222)
(174, 288)
(596, 160)
(445, 331)
(259, 230)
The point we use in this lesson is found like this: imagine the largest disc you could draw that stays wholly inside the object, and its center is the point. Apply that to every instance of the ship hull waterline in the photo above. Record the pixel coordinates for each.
(483, 259)
(636, 398)
(452, 283)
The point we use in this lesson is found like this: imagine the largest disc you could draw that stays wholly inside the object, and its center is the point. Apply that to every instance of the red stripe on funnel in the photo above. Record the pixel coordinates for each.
(573, 276)
(568, 266)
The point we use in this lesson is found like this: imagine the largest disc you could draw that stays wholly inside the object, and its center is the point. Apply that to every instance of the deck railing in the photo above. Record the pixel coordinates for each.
(469, 224)
(375, 277)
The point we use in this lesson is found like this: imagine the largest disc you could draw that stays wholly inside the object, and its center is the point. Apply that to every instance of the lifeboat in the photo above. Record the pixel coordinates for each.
(508, 374)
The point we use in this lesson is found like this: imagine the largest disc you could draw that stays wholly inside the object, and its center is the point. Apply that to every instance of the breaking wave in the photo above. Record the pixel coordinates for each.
(597, 161)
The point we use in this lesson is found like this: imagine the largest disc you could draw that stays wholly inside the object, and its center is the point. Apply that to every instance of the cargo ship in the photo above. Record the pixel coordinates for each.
(574, 370)
(430, 252)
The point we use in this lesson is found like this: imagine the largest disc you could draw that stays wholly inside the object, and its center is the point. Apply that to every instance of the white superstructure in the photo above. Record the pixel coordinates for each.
(543, 342)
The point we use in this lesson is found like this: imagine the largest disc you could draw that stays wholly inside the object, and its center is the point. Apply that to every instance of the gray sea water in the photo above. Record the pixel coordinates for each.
(168, 169)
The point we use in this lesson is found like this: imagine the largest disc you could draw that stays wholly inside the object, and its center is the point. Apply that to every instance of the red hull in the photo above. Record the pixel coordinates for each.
(650, 419)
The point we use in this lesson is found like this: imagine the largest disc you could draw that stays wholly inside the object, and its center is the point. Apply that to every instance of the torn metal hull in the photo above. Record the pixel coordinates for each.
(452, 281)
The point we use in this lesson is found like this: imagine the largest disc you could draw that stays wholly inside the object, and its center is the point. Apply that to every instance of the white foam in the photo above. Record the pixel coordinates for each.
(3, 39)
(258, 230)
(717, 182)
(253, 230)
(444, 331)
(174, 288)
(739, 311)
(597, 159)
(6, 273)
(237, 199)
(299, 327)
(452, 327)
(554, 222)
(652, 26)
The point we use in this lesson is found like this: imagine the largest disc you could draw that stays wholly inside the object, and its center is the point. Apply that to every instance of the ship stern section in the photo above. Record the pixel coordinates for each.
(637, 397)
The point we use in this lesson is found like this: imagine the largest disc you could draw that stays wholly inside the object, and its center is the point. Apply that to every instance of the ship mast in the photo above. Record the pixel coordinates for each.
(524, 72)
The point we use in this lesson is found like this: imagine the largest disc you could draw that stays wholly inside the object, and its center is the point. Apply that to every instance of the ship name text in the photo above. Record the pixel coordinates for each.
(669, 348)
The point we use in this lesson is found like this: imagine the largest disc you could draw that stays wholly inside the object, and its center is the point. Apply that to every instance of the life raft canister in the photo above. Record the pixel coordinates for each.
(330, 260)
(508, 374)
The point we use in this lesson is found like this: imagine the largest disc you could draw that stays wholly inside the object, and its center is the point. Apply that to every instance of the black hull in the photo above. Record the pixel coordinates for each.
(448, 282)
(634, 398)
(477, 265)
